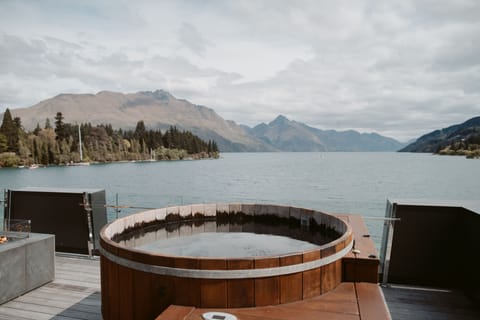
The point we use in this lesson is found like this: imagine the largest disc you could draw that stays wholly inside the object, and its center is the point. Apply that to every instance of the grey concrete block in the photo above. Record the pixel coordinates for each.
(40, 262)
(12, 273)
(26, 264)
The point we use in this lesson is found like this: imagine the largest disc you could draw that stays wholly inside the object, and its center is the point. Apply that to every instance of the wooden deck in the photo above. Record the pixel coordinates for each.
(74, 294)
(417, 303)
(349, 301)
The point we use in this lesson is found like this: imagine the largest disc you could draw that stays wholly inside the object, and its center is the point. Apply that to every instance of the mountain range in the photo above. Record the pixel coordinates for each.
(160, 109)
(287, 135)
(435, 141)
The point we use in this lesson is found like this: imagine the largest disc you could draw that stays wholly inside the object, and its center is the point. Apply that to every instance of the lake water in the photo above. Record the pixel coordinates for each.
(331, 182)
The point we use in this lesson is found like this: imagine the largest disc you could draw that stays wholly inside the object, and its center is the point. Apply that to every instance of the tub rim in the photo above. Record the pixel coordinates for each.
(191, 267)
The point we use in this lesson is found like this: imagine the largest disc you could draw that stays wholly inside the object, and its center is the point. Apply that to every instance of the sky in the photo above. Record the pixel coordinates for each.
(399, 68)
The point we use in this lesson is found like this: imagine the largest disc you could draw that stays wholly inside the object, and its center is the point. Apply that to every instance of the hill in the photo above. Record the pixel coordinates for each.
(456, 139)
(158, 109)
(287, 135)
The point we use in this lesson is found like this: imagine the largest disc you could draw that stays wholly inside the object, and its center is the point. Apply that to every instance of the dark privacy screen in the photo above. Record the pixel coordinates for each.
(60, 213)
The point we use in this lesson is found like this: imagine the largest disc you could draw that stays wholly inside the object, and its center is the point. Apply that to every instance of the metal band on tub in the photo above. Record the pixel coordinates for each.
(226, 274)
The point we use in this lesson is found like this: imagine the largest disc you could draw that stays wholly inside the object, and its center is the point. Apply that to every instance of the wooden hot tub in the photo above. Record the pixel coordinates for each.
(138, 283)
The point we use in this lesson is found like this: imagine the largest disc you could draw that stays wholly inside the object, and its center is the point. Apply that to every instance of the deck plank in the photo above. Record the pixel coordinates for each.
(371, 302)
(36, 301)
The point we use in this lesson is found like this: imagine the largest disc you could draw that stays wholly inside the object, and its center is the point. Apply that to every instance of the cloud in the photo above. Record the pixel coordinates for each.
(191, 38)
(400, 68)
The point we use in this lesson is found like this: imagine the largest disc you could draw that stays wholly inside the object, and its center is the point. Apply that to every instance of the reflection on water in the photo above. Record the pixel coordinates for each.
(227, 245)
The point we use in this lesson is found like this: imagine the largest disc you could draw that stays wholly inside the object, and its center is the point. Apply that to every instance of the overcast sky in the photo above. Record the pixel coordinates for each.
(399, 68)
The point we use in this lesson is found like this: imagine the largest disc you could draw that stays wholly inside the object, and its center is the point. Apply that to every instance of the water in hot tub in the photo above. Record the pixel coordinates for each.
(227, 245)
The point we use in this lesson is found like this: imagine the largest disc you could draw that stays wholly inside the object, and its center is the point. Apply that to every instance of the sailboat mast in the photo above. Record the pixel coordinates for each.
(80, 144)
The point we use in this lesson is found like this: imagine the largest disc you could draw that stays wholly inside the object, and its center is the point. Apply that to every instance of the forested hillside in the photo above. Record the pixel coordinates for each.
(158, 109)
(59, 143)
(459, 139)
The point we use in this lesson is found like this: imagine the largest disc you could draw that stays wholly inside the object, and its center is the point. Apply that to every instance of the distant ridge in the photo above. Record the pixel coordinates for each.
(287, 135)
(437, 140)
(160, 109)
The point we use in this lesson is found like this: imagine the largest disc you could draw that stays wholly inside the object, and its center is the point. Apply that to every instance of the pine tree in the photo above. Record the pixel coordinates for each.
(140, 130)
(100, 142)
(18, 122)
(37, 129)
(214, 146)
(195, 148)
(59, 127)
(44, 154)
(35, 151)
(10, 130)
(47, 124)
(3, 143)
(167, 139)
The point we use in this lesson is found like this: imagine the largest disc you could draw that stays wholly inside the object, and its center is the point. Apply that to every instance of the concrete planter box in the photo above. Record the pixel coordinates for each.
(26, 264)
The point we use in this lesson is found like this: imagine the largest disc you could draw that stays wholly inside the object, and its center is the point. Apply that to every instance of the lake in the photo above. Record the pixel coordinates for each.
(340, 182)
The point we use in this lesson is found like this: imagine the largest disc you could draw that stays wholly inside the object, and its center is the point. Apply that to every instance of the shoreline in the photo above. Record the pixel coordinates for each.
(88, 163)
